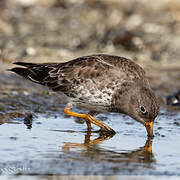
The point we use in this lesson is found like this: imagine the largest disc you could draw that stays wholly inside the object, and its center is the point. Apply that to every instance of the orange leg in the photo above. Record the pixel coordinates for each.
(89, 119)
(88, 125)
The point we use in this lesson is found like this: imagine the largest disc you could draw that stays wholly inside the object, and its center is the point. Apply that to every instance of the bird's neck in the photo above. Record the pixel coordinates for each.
(121, 98)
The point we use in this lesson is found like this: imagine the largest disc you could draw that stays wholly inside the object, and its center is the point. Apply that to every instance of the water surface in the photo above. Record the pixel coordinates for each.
(61, 145)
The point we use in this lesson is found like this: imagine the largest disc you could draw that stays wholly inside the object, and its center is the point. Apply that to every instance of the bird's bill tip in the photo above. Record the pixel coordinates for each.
(149, 128)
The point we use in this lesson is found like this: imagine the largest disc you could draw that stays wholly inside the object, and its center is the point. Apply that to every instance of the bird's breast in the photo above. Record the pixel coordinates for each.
(93, 95)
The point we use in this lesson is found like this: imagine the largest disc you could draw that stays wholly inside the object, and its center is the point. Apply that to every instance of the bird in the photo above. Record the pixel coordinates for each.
(100, 83)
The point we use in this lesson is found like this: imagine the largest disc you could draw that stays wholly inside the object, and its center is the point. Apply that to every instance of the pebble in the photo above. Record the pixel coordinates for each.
(174, 100)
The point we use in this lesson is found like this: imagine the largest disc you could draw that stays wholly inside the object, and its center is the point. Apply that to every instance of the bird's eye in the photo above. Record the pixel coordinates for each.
(143, 110)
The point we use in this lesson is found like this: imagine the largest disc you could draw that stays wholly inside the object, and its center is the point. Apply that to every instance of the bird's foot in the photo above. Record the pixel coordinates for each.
(89, 119)
(103, 126)
(104, 132)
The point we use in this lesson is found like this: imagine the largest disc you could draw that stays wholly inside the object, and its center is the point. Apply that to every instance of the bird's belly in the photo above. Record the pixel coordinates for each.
(93, 99)
(93, 106)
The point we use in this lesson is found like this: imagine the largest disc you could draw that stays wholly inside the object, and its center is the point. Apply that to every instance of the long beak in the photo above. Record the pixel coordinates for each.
(149, 128)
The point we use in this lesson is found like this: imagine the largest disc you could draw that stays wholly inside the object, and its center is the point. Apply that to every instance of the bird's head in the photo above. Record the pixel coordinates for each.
(140, 103)
(144, 107)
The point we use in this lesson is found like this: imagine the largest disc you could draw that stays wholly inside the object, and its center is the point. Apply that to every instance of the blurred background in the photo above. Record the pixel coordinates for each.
(60, 30)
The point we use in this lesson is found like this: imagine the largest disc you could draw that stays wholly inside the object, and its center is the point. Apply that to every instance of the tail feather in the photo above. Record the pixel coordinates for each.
(33, 72)
(26, 64)
(28, 74)
(21, 71)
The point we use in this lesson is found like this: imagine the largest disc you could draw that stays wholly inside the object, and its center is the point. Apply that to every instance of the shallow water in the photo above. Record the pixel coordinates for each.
(61, 145)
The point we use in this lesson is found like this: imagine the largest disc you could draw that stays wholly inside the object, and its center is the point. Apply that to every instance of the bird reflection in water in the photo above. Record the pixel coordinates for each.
(87, 142)
(92, 150)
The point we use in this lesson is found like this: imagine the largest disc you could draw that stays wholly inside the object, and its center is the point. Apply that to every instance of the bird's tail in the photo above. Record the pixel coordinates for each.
(33, 72)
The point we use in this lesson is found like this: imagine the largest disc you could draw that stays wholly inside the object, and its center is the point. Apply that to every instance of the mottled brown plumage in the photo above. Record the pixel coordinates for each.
(100, 83)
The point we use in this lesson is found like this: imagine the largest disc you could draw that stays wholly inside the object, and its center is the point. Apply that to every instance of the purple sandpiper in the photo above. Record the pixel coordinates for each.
(99, 83)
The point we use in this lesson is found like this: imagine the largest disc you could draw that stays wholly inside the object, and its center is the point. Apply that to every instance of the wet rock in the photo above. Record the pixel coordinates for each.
(176, 123)
(174, 100)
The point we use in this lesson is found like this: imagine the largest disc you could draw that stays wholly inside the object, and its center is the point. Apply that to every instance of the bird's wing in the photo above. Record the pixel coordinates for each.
(123, 65)
(65, 76)
(99, 64)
